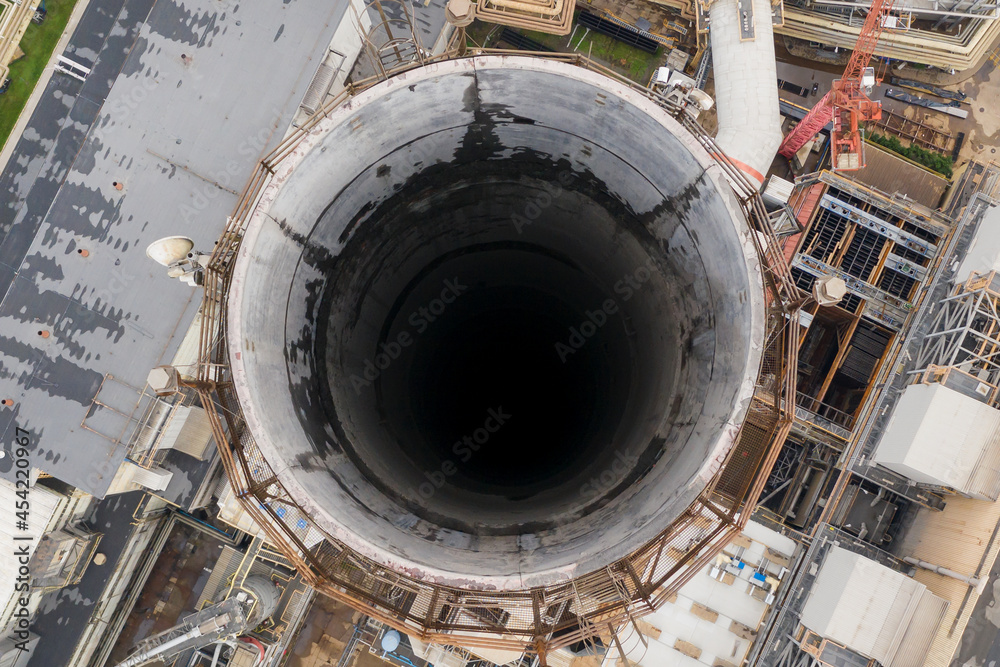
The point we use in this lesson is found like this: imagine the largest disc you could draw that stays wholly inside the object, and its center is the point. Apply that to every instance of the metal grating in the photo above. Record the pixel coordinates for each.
(896, 283)
(866, 348)
(851, 303)
(544, 618)
(863, 254)
(824, 236)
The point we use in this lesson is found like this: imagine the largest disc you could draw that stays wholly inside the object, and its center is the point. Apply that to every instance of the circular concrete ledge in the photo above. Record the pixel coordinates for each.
(495, 323)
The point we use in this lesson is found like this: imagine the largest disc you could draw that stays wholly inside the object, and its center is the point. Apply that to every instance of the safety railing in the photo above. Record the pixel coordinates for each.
(827, 412)
(539, 619)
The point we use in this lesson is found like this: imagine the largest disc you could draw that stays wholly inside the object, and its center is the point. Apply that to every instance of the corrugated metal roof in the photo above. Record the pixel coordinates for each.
(983, 255)
(868, 608)
(889, 173)
(188, 431)
(957, 538)
(920, 633)
(939, 436)
(778, 189)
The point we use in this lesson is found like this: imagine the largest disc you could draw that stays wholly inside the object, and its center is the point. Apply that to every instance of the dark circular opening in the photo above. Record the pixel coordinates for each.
(498, 357)
(494, 324)
(490, 389)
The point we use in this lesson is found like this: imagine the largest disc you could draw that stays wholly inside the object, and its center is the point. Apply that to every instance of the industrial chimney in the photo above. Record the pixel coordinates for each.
(496, 322)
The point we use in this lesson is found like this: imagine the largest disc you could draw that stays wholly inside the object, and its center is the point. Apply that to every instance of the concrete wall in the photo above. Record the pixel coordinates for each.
(317, 288)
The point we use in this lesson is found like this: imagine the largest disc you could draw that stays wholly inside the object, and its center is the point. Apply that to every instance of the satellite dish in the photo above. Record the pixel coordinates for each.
(170, 250)
(701, 98)
(390, 641)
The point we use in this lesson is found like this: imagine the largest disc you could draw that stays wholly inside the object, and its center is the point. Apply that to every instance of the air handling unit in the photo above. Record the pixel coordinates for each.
(497, 347)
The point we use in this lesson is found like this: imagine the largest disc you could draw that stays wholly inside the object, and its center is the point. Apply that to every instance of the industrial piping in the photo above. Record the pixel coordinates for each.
(206, 628)
(746, 91)
(979, 583)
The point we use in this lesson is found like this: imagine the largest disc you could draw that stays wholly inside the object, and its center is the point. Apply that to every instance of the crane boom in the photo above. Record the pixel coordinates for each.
(808, 127)
(847, 104)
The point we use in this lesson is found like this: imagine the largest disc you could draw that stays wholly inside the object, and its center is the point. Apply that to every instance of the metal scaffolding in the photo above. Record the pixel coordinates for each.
(539, 619)
(390, 40)
(551, 16)
(965, 331)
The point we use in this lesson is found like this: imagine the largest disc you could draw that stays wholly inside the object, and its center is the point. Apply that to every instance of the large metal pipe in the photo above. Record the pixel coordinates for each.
(496, 322)
(979, 583)
(206, 628)
(746, 89)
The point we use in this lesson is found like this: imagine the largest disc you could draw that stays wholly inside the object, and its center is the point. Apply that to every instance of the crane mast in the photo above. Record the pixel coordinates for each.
(847, 103)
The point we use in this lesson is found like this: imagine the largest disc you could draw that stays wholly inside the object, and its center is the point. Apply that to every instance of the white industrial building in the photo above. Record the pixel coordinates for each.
(944, 438)
(984, 251)
(869, 609)
(715, 617)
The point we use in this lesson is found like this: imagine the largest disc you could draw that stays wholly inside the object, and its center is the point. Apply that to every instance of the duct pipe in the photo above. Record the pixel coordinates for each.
(530, 7)
(208, 627)
(746, 90)
(146, 656)
(978, 582)
(215, 656)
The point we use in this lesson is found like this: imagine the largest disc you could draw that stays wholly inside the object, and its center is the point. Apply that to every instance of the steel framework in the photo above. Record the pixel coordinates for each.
(847, 103)
(965, 331)
(390, 41)
(792, 655)
(551, 16)
(539, 619)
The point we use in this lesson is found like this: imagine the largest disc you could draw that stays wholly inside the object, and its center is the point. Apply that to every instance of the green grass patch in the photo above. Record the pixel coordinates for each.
(38, 43)
(933, 161)
(618, 56)
(624, 59)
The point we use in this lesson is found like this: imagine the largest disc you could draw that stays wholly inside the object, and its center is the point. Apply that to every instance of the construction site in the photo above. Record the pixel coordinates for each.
(488, 333)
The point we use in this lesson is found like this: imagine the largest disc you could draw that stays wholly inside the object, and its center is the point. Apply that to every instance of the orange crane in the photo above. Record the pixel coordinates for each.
(847, 103)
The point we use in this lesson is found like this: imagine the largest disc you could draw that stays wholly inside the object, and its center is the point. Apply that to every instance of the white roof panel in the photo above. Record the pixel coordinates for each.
(942, 437)
(871, 608)
(984, 252)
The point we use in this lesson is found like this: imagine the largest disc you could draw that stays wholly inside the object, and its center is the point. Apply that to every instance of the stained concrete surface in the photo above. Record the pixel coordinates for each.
(172, 589)
(690, 333)
(325, 632)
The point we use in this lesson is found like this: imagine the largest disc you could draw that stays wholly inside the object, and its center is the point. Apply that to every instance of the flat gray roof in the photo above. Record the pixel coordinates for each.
(183, 99)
